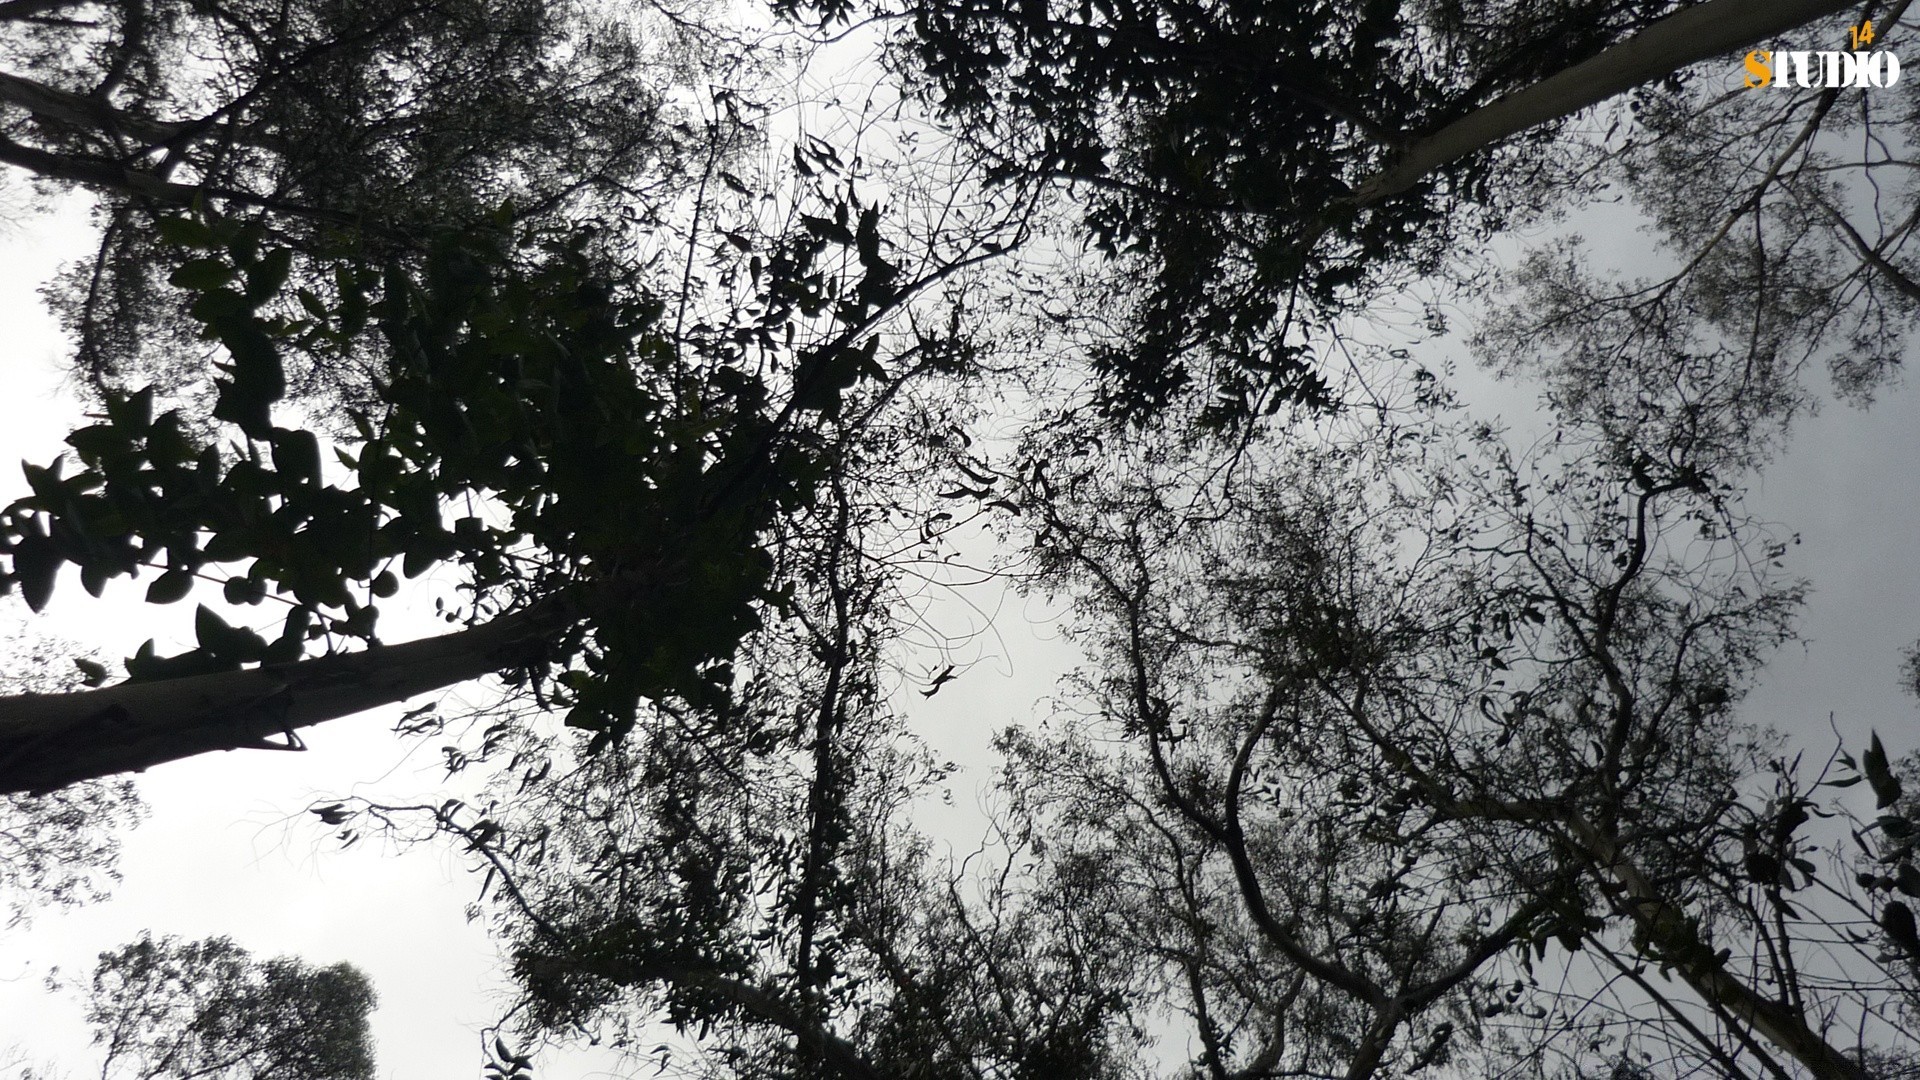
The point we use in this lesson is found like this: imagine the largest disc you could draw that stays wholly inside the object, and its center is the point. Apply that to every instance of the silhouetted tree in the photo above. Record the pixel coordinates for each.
(174, 1010)
(1254, 171)
(359, 125)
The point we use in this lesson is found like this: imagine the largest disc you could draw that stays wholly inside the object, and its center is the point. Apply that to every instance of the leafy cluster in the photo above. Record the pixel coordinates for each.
(168, 1008)
(586, 450)
(1220, 155)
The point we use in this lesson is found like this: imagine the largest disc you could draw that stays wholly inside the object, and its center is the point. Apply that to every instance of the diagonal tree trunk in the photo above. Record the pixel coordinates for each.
(110, 176)
(1689, 36)
(50, 740)
(1674, 939)
(85, 113)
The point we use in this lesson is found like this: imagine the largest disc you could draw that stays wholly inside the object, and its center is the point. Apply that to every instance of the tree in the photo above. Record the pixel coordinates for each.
(758, 888)
(1254, 172)
(1384, 727)
(1771, 264)
(173, 1010)
(608, 578)
(636, 455)
(59, 849)
(1386, 724)
(1399, 753)
(365, 125)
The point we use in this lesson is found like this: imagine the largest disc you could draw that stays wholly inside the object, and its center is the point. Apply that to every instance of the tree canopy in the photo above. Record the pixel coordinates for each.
(1404, 743)
(172, 1010)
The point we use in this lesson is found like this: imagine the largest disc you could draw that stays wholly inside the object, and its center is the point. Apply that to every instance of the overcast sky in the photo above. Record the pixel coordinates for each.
(229, 851)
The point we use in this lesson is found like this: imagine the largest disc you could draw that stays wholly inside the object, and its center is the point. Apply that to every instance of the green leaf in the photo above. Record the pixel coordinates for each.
(185, 232)
(202, 275)
(1886, 786)
(265, 277)
(170, 586)
(313, 305)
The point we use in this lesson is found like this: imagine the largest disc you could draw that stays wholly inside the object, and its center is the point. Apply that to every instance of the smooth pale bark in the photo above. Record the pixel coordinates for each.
(1668, 929)
(48, 741)
(1715, 28)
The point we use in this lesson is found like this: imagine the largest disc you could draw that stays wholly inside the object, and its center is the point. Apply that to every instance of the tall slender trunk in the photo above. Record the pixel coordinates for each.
(1689, 36)
(1674, 940)
(48, 741)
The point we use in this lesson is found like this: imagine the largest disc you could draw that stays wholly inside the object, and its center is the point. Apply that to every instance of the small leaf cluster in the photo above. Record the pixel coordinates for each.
(1895, 874)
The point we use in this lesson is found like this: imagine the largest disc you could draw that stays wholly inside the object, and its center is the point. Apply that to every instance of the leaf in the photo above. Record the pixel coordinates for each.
(95, 673)
(258, 380)
(208, 627)
(265, 277)
(243, 589)
(296, 455)
(292, 640)
(132, 413)
(170, 586)
(36, 562)
(99, 442)
(1886, 787)
(1897, 920)
(417, 560)
(202, 275)
(1907, 879)
(939, 681)
(225, 644)
(185, 232)
(828, 229)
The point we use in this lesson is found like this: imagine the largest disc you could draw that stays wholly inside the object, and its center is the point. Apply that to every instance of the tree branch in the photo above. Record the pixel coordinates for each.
(50, 740)
(1689, 36)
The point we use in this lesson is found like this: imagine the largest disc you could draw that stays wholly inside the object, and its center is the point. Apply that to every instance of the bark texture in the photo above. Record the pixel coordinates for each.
(1715, 28)
(48, 741)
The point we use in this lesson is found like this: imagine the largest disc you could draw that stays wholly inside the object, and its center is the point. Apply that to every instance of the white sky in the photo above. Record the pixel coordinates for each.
(229, 851)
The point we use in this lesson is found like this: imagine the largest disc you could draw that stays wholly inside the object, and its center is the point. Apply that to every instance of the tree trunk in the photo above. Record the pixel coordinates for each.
(89, 114)
(1715, 28)
(48, 741)
(109, 176)
(1673, 939)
